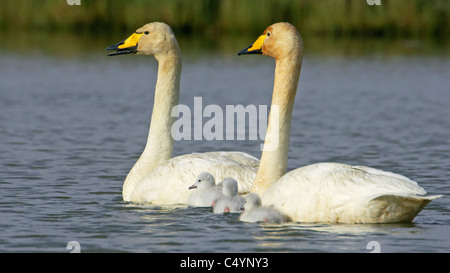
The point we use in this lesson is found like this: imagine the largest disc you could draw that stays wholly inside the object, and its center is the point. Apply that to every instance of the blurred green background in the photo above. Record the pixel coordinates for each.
(24, 20)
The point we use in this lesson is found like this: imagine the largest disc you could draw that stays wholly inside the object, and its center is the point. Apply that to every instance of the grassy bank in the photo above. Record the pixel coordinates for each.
(393, 18)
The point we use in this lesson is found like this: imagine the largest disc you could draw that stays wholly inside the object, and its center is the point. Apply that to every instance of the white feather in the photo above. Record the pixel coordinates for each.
(156, 177)
(169, 182)
(323, 192)
(230, 201)
(205, 191)
(333, 192)
(255, 212)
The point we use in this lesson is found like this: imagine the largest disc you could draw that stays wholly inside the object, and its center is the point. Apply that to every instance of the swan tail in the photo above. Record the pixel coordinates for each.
(391, 208)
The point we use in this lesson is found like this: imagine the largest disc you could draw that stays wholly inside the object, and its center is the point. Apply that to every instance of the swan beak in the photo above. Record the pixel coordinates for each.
(255, 48)
(127, 46)
(192, 187)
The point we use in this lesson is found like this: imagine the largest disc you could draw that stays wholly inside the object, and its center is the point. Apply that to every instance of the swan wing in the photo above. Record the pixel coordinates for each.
(333, 192)
(240, 157)
(169, 182)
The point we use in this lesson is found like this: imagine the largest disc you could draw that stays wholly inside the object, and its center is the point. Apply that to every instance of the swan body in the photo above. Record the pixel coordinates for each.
(206, 191)
(157, 177)
(165, 186)
(230, 201)
(340, 193)
(322, 192)
(255, 212)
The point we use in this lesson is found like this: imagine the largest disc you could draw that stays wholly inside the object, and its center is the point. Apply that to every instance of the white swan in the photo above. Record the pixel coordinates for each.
(255, 212)
(206, 191)
(156, 177)
(230, 201)
(323, 192)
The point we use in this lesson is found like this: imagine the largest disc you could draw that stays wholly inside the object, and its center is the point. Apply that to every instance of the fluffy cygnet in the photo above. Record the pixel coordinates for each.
(206, 192)
(230, 201)
(254, 212)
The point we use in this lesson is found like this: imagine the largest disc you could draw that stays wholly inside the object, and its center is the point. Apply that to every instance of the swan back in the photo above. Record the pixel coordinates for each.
(169, 182)
(340, 193)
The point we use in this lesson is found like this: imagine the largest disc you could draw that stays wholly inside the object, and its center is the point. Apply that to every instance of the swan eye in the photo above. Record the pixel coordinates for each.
(199, 180)
(146, 33)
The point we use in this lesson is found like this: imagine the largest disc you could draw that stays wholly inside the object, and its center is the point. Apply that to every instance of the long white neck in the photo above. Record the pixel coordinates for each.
(273, 163)
(159, 145)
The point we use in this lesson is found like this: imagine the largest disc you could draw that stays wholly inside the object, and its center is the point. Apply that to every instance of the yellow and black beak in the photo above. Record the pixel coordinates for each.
(255, 48)
(127, 46)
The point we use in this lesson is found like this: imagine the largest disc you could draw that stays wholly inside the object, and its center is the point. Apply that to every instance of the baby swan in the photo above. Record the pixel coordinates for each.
(206, 191)
(254, 212)
(230, 201)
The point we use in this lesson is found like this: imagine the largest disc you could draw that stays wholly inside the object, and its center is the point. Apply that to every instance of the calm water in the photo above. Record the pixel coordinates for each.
(72, 127)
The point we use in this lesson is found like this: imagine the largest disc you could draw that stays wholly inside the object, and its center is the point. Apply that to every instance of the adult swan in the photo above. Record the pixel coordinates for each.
(323, 192)
(156, 177)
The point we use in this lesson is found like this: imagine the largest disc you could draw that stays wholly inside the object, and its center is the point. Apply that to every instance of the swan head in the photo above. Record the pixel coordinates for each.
(280, 40)
(252, 200)
(204, 180)
(152, 39)
(229, 187)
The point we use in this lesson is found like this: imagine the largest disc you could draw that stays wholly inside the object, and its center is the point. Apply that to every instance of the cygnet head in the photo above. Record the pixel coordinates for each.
(252, 201)
(280, 41)
(204, 180)
(152, 39)
(229, 187)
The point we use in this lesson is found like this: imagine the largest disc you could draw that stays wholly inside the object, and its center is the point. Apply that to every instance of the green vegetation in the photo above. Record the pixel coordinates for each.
(333, 18)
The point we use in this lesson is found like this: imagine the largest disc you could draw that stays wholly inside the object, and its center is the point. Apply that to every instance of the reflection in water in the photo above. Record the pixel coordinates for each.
(361, 229)
(178, 224)
(334, 237)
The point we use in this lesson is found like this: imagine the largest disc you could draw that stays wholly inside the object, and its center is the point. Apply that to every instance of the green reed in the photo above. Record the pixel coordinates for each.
(393, 18)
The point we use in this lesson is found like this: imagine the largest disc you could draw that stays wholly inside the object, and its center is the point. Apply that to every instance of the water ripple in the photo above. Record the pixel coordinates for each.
(67, 148)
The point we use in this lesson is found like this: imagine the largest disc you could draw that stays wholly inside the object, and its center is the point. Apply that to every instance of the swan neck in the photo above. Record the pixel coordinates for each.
(273, 163)
(159, 146)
